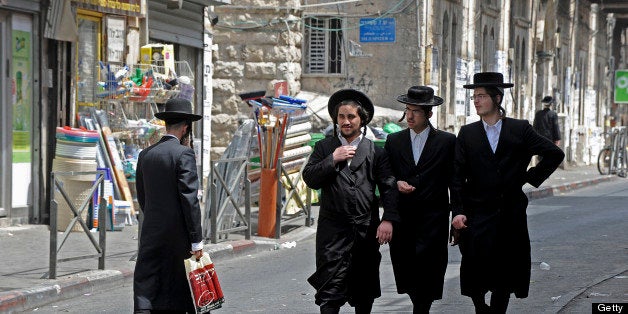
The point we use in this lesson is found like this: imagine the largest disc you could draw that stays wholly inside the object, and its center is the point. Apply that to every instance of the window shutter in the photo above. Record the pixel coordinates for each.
(316, 48)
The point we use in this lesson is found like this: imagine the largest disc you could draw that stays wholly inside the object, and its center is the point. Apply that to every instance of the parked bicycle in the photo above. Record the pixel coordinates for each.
(612, 158)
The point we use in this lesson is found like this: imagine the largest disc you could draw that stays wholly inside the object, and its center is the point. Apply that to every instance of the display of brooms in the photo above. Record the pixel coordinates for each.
(271, 117)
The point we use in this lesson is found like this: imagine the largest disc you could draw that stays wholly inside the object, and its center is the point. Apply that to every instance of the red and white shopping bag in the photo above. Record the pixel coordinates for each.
(204, 284)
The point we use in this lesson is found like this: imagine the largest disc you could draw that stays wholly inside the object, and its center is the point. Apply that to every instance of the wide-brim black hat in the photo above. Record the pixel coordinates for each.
(350, 94)
(488, 79)
(420, 96)
(547, 100)
(178, 109)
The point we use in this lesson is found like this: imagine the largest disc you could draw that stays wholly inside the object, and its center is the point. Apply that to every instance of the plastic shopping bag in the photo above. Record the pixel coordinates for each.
(204, 285)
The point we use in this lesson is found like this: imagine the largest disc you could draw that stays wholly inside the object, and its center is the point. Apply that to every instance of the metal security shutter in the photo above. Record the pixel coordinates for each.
(25, 5)
(182, 26)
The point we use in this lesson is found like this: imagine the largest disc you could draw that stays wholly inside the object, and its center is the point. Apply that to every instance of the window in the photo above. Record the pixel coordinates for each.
(323, 45)
(88, 55)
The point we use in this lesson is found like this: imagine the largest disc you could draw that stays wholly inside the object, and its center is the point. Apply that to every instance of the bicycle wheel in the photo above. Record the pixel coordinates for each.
(604, 161)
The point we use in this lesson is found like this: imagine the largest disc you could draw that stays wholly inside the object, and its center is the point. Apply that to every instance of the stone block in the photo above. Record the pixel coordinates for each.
(223, 87)
(228, 69)
(262, 70)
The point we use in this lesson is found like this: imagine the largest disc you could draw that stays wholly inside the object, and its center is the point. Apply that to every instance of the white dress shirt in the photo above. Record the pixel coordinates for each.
(417, 140)
(492, 132)
(353, 143)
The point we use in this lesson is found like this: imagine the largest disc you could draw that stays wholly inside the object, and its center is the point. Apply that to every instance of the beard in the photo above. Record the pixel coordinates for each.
(349, 133)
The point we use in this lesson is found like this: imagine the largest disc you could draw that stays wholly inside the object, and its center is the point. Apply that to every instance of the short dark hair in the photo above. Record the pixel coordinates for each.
(177, 122)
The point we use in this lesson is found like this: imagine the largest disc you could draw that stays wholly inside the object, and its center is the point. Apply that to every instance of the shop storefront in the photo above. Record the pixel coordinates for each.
(57, 52)
(184, 28)
(19, 86)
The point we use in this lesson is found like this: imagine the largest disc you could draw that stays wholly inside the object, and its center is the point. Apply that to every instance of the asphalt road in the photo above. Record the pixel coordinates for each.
(581, 235)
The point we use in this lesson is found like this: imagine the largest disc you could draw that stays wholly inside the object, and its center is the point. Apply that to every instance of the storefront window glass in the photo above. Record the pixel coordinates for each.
(88, 57)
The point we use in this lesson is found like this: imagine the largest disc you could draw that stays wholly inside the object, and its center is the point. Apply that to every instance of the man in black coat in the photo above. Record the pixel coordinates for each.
(347, 168)
(167, 192)
(546, 121)
(488, 204)
(422, 161)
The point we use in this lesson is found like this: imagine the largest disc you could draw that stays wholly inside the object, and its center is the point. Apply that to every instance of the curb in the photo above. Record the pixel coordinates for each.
(94, 280)
(60, 289)
(548, 191)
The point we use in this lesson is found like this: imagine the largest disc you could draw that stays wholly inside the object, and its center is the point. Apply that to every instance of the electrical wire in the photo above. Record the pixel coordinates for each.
(389, 12)
(395, 9)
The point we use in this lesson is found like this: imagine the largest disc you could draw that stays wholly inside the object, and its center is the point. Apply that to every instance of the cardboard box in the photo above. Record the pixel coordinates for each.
(160, 55)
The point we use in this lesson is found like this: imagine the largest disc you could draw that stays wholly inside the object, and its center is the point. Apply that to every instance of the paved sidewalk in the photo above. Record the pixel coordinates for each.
(25, 252)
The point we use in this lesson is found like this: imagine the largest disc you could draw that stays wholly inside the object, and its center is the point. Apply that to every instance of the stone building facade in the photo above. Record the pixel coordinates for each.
(545, 47)
(257, 43)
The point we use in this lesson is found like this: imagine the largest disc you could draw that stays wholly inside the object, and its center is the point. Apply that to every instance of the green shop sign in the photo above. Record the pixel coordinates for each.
(621, 86)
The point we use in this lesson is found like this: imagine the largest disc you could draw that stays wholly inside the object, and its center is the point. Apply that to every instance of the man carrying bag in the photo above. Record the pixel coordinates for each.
(167, 189)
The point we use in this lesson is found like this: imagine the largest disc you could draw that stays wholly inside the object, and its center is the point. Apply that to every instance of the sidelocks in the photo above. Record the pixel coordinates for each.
(271, 115)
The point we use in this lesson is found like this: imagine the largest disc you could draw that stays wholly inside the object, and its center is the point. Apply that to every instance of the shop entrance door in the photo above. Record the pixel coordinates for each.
(21, 79)
(5, 125)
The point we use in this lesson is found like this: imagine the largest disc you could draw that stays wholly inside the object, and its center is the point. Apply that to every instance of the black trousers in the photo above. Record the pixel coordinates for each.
(499, 303)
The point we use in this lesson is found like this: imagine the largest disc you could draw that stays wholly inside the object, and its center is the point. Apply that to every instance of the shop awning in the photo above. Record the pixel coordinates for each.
(60, 23)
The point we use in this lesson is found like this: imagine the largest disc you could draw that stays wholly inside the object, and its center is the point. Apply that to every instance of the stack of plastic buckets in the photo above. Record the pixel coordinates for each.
(75, 151)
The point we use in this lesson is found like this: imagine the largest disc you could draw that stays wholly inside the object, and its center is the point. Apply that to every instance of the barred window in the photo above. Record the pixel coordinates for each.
(323, 45)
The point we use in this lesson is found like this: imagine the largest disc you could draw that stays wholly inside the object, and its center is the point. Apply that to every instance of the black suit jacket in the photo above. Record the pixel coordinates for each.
(167, 191)
(487, 188)
(418, 248)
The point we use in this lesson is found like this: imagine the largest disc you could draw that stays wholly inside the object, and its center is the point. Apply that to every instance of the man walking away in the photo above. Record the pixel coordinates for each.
(167, 191)
(546, 121)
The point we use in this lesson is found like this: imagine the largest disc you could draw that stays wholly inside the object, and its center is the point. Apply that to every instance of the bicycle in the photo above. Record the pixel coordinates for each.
(612, 159)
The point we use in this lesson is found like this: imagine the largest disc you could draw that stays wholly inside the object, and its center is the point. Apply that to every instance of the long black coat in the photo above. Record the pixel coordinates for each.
(546, 124)
(347, 252)
(167, 186)
(418, 249)
(487, 189)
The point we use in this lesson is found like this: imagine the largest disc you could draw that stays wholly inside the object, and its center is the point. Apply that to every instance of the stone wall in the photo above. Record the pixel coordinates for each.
(257, 43)
(382, 70)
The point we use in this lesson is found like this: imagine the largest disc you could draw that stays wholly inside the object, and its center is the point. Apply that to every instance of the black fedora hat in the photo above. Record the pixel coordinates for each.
(548, 100)
(178, 109)
(488, 79)
(420, 96)
(350, 94)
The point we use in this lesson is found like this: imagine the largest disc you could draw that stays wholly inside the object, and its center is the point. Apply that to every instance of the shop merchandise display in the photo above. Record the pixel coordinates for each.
(75, 152)
(128, 96)
(283, 128)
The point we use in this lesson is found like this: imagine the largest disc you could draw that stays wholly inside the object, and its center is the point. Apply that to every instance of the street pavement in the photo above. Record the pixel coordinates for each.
(24, 261)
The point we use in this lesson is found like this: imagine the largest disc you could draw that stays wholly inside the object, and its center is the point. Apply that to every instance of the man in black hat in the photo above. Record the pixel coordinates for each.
(546, 121)
(488, 204)
(347, 168)
(167, 190)
(422, 160)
